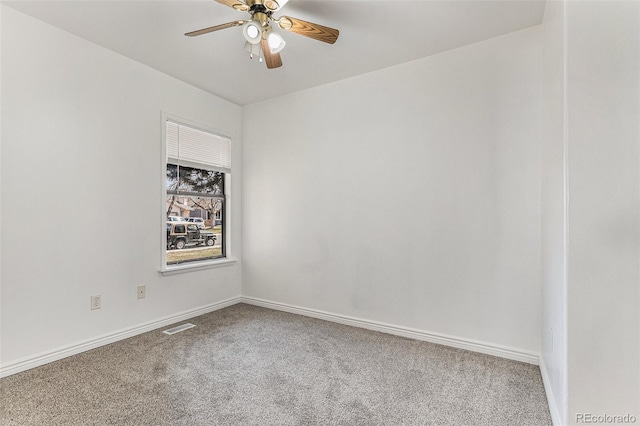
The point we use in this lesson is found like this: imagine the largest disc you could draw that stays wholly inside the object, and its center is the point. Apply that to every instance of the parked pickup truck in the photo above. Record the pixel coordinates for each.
(182, 234)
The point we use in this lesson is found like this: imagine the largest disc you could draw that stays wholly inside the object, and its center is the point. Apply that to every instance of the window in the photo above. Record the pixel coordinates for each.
(198, 168)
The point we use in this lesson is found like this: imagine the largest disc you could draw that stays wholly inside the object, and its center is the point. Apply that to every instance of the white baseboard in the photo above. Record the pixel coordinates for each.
(441, 339)
(456, 342)
(553, 407)
(56, 354)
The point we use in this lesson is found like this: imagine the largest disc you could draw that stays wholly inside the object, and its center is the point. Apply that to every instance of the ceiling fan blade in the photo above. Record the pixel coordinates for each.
(273, 60)
(274, 5)
(309, 29)
(236, 4)
(215, 28)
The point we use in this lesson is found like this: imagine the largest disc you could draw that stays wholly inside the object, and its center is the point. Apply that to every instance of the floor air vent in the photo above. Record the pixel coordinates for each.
(179, 328)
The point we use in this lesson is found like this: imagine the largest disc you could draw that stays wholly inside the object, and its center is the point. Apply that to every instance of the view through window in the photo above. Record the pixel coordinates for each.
(198, 165)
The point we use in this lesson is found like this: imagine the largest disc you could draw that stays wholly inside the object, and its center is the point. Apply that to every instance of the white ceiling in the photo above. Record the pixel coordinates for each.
(374, 34)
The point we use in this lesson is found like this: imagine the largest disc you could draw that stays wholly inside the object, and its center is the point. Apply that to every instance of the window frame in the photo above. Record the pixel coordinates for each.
(227, 205)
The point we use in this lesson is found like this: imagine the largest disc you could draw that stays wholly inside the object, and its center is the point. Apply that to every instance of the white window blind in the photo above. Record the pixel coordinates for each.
(191, 147)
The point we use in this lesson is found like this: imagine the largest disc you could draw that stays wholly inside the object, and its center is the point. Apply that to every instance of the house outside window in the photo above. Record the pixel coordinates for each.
(198, 169)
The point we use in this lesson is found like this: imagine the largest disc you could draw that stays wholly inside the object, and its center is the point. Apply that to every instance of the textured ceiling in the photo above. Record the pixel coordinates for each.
(373, 35)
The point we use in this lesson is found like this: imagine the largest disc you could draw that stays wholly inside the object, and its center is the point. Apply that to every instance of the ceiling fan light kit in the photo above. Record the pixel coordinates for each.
(252, 31)
(259, 34)
(275, 41)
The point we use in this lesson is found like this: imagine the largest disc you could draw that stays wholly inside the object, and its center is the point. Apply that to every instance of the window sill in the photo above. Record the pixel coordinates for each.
(180, 269)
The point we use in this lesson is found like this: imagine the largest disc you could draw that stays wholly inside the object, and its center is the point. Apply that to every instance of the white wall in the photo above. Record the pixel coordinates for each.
(553, 228)
(81, 190)
(591, 208)
(409, 196)
(603, 98)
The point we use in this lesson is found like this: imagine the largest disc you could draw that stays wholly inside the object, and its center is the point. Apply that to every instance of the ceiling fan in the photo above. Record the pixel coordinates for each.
(261, 39)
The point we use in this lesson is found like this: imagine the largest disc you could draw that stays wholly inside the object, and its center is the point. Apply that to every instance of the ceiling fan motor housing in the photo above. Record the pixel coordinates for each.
(271, 5)
(257, 6)
(261, 17)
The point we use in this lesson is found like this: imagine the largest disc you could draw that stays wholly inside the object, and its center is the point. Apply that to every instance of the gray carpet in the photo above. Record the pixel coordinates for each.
(245, 365)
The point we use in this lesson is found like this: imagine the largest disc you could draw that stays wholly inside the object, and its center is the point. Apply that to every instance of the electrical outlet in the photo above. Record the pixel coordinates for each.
(142, 291)
(95, 302)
